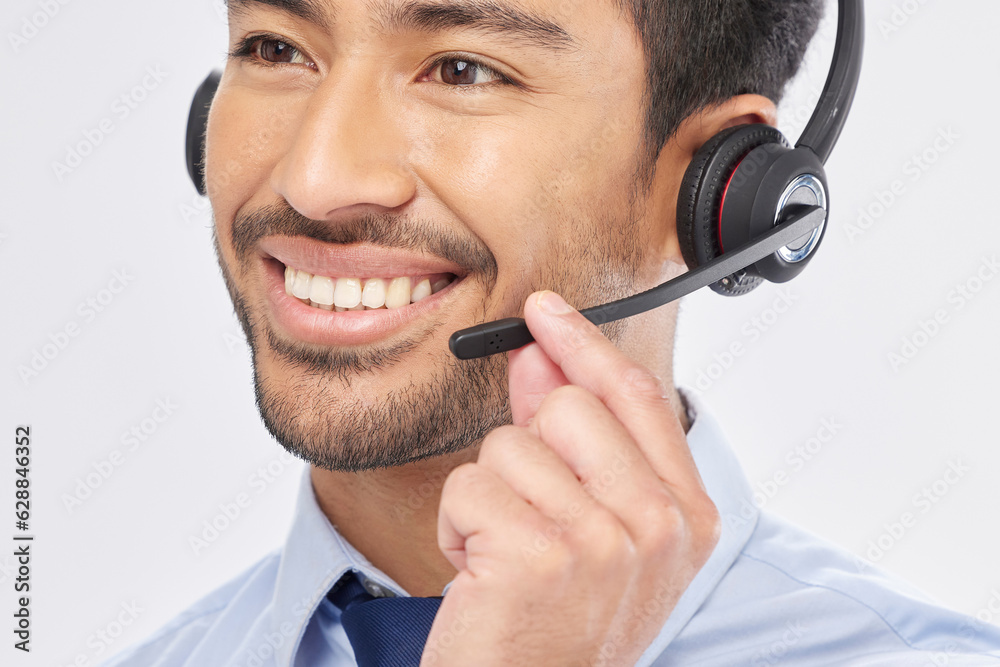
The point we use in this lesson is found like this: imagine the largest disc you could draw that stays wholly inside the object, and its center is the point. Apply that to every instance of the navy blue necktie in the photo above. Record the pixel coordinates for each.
(385, 631)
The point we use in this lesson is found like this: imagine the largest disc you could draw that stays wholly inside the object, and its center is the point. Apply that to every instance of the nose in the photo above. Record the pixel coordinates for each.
(345, 152)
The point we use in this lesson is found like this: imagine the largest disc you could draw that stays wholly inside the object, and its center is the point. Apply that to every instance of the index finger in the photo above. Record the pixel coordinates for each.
(631, 392)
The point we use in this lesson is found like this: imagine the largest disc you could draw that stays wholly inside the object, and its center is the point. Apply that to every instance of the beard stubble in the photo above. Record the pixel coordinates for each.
(315, 415)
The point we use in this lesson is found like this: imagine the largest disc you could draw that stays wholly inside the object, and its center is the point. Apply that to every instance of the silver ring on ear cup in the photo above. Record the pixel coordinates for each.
(751, 208)
(807, 190)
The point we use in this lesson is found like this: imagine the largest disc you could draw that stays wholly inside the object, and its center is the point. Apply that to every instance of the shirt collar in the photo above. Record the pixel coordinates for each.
(315, 555)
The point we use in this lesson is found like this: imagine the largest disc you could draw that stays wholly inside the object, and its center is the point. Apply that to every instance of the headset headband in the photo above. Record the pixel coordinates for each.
(828, 120)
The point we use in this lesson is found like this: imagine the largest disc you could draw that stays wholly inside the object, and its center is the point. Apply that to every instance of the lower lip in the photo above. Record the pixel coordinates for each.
(330, 328)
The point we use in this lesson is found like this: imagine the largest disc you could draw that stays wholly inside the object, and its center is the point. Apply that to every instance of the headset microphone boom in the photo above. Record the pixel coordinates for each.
(751, 208)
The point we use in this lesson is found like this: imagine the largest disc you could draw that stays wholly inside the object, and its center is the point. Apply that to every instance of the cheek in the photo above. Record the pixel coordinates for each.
(478, 170)
(247, 134)
(526, 187)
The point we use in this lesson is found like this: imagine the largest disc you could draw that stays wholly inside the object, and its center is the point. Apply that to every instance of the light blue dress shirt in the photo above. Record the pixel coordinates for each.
(770, 594)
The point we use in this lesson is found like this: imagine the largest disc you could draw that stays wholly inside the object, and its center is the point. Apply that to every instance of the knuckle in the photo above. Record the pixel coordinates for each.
(499, 443)
(665, 527)
(575, 339)
(503, 434)
(556, 564)
(559, 407)
(602, 540)
(642, 383)
(566, 398)
(460, 480)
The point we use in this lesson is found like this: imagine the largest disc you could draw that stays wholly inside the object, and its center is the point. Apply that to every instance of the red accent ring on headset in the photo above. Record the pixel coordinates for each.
(722, 203)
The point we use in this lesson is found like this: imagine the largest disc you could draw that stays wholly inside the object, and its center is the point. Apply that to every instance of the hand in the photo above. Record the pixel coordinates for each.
(579, 527)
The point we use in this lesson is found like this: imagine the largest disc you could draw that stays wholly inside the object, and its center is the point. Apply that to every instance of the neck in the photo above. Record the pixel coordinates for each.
(390, 514)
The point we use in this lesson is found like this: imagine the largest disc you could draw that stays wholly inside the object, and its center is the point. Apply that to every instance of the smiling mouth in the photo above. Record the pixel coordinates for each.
(347, 293)
(314, 289)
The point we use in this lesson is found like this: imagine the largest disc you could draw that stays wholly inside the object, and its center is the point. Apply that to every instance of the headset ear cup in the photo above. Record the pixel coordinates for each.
(688, 236)
(703, 187)
(194, 145)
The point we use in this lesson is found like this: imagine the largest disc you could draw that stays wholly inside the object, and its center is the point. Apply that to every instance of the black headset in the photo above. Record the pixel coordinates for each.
(751, 208)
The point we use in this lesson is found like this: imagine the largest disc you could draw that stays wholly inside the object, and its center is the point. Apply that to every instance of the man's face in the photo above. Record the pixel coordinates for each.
(361, 144)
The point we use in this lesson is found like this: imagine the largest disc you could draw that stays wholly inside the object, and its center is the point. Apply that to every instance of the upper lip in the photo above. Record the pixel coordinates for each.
(361, 260)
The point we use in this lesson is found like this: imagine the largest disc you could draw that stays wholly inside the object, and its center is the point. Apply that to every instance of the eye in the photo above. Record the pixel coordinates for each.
(270, 50)
(274, 51)
(463, 71)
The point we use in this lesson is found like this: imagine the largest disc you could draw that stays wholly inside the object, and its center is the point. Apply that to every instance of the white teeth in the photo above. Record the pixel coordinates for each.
(348, 292)
(398, 294)
(374, 293)
(421, 291)
(321, 290)
(343, 294)
(300, 287)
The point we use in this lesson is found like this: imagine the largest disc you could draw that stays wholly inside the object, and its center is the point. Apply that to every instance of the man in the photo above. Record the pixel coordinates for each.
(384, 173)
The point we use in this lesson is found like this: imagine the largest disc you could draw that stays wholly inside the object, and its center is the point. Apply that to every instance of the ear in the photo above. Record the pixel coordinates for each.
(698, 128)
(678, 152)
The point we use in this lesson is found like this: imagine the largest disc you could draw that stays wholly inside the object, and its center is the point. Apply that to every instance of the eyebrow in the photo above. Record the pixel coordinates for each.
(487, 16)
(307, 10)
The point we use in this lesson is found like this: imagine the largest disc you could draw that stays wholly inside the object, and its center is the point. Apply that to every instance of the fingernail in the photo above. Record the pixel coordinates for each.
(552, 304)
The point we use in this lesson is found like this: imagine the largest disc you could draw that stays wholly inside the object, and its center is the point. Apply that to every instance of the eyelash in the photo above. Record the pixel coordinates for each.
(499, 78)
(246, 51)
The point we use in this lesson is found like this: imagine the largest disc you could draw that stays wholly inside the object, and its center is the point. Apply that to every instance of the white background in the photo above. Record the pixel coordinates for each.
(170, 334)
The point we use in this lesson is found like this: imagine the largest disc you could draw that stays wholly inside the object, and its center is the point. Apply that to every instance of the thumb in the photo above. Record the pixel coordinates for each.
(532, 375)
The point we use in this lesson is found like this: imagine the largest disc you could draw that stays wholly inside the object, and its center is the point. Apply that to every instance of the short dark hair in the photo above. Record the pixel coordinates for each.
(702, 52)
